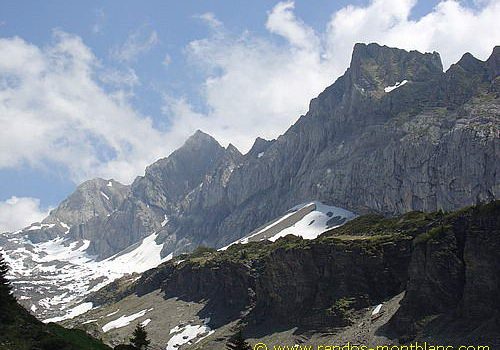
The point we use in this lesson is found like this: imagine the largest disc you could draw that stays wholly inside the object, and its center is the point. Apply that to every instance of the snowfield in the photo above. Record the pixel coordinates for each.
(307, 220)
(53, 276)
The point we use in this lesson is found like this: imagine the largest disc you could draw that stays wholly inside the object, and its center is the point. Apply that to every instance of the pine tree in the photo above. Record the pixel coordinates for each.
(237, 342)
(5, 287)
(140, 338)
(6, 299)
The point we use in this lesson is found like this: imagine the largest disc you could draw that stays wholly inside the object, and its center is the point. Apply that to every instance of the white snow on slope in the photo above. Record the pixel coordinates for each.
(123, 321)
(142, 258)
(246, 239)
(105, 195)
(76, 311)
(309, 226)
(185, 334)
(315, 223)
(59, 273)
(145, 322)
(164, 222)
(395, 86)
(66, 226)
(109, 184)
(40, 226)
(377, 309)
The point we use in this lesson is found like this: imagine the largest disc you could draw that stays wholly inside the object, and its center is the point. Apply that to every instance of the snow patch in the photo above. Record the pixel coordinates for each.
(145, 256)
(395, 86)
(260, 155)
(316, 222)
(185, 334)
(145, 322)
(76, 311)
(105, 195)
(123, 321)
(110, 184)
(40, 226)
(377, 309)
(66, 226)
(165, 221)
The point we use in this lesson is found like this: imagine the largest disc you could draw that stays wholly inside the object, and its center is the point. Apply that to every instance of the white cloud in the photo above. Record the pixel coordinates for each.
(258, 87)
(52, 111)
(210, 19)
(138, 43)
(19, 212)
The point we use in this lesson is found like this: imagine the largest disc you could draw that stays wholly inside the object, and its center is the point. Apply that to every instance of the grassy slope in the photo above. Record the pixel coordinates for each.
(19, 331)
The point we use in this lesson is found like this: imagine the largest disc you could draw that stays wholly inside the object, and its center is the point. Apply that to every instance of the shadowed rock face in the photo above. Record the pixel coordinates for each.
(453, 279)
(431, 143)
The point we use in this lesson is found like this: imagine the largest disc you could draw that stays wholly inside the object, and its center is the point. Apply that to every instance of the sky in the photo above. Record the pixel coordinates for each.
(104, 88)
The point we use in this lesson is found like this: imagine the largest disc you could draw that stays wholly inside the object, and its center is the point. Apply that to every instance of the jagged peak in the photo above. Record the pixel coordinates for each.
(374, 66)
(260, 145)
(493, 63)
(233, 149)
(200, 137)
(470, 63)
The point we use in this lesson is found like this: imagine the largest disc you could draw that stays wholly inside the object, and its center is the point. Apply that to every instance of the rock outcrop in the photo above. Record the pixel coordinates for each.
(454, 280)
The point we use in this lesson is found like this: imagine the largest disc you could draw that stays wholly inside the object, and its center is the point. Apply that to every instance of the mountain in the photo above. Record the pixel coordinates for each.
(393, 134)
(412, 278)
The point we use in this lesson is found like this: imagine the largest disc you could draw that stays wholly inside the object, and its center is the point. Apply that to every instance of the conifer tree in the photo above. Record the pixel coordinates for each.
(6, 298)
(140, 338)
(5, 287)
(237, 342)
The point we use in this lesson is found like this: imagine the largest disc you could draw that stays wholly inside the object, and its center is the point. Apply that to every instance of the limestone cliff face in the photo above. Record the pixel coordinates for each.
(432, 143)
(393, 134)
(453, 278)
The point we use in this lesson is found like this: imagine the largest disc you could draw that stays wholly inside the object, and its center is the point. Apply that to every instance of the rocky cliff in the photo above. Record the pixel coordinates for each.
(447, 265)
(393, 134)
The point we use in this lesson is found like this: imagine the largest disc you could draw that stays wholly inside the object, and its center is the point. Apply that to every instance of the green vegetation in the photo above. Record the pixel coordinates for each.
(367, 232)
(342, 309)
(139, 338)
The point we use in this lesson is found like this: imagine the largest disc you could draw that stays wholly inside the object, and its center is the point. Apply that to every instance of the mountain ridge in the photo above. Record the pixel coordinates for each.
(393, 134)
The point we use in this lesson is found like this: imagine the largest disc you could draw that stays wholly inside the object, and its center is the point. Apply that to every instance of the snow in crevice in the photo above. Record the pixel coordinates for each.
(165, 221)
(395, 86)
(105, 195)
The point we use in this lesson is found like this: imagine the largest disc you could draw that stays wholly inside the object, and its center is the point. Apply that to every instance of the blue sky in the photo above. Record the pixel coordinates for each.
(96, 88)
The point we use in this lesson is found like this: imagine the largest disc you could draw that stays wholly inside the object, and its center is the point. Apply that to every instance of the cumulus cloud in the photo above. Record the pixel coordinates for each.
(52, 111)
(137, 43)
(255, 86)
(19, 212)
